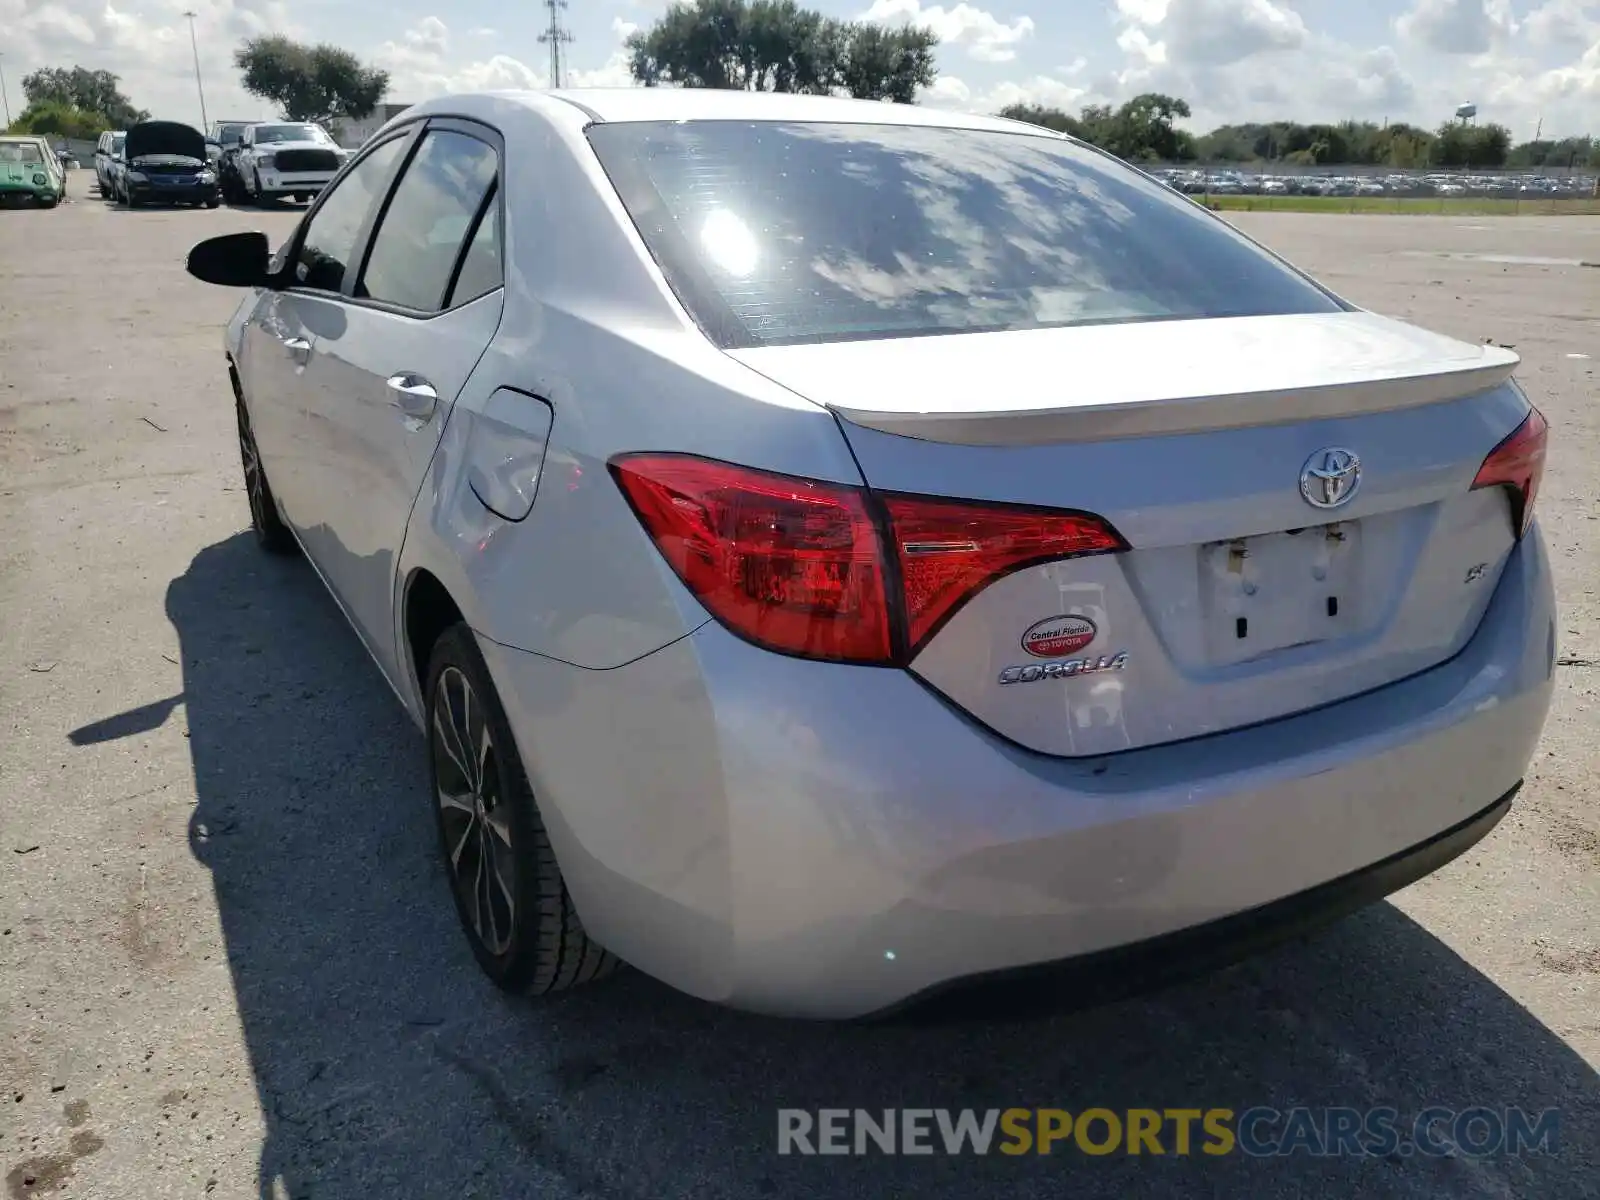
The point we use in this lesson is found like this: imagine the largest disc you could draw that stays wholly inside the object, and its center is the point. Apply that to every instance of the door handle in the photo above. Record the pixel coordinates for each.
(414, 396)
(298, 347)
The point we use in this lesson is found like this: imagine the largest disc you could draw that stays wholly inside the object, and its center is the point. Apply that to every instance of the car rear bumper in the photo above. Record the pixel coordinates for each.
(828, 841)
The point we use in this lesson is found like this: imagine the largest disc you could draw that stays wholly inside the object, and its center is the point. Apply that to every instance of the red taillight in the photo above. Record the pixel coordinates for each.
(949, 551)
(798, 565)
(1517, 464)
(791, 564)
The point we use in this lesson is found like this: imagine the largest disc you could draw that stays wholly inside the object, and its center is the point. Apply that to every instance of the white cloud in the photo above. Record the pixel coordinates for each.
(1205, 33)
(146, 44)
(949, 91)
(1563, 24)
(1458, 26)
(986, 37)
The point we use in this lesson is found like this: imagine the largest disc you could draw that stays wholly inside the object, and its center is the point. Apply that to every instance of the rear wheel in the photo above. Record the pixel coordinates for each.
(508, 889)
(270, 531)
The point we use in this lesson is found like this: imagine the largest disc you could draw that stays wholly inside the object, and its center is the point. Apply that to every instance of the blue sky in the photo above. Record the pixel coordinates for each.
(1522, 61)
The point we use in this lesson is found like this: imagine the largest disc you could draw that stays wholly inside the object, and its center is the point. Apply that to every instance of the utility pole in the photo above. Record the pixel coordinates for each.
(198, 86)
(555, 37)
(3, 96)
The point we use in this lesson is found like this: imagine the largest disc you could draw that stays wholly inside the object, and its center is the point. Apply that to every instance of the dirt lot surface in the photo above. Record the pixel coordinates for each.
(229, 966)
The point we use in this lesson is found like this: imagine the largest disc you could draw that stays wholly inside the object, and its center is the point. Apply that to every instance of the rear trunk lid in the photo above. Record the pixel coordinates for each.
(1295, 493)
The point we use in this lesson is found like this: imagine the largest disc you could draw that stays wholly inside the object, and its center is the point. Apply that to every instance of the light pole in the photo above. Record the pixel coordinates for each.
(198, 86)
(3, 96)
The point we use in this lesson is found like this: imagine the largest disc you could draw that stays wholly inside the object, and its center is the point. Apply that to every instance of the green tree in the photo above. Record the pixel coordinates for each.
(777, 46)
(1142, 130)
(77, 88)
(309, 83)
(61, 120)
(1047, 118)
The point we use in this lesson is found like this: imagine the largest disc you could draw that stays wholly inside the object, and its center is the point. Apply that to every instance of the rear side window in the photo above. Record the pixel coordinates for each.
(481, 270)
(433, 214)
(775, 233)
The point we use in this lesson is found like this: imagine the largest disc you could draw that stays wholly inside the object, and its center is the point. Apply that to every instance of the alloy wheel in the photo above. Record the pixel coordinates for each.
(473, 814)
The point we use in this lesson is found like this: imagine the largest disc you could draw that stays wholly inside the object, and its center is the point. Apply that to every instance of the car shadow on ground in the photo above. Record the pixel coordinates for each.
(387, 1066)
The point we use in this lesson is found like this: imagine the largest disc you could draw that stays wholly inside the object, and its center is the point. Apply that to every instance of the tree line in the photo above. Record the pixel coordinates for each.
(1131, 133)
(778, 46)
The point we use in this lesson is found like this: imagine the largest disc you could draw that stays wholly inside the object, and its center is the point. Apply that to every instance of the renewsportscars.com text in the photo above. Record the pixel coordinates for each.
(1260, 1132)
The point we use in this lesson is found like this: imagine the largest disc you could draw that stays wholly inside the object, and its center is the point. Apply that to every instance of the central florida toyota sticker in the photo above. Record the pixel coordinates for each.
(1057, 637)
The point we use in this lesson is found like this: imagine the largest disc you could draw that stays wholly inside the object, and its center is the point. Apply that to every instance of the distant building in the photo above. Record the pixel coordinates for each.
(351, 133)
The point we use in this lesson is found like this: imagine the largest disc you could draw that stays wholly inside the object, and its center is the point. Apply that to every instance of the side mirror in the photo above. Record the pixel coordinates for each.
(232, 260)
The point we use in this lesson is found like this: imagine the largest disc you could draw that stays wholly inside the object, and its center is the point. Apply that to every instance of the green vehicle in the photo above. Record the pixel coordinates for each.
(29, 168)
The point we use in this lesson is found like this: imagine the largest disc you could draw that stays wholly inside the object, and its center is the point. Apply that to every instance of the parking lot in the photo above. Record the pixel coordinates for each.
(229, 965)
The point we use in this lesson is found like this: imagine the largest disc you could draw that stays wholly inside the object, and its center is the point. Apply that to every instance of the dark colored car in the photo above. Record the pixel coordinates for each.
(167, 164)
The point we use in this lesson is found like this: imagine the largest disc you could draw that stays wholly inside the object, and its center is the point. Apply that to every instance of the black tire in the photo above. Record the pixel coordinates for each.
(271, 533)
(213, 202)
(131, 200)
(526, 935)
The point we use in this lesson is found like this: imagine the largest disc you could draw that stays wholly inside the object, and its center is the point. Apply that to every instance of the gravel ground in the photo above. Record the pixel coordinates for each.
(230, 968)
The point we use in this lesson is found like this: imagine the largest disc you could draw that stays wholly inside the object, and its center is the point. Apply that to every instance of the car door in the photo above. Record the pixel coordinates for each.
(282, 333)
(417, 318)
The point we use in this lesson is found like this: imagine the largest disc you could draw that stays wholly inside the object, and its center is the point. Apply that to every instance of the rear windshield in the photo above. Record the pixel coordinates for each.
(776, 234)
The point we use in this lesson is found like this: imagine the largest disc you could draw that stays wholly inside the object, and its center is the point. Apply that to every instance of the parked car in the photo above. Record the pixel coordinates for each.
(166, 163)
(30, 170)
(286, 159)
(106, 149)
(222, 147)
(815, 612)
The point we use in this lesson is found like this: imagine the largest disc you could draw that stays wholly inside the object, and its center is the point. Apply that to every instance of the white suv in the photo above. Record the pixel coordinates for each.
(286, 158)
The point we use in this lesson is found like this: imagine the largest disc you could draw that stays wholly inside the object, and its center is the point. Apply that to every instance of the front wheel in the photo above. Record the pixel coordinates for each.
(509, 893)
(213, 202)
(271, 533)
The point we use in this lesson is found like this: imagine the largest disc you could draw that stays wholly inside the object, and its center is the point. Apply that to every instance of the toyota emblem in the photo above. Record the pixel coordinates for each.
(1331, 477)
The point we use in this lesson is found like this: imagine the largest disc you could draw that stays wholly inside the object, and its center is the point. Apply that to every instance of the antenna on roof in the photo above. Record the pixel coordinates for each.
(555, 37)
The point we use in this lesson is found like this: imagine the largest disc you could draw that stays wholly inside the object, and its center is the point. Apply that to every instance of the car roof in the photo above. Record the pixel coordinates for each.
(711, 104)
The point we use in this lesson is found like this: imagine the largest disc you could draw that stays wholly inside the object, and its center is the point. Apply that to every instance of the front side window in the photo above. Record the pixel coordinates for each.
(779, 233)
(330, 237)
(434, 211)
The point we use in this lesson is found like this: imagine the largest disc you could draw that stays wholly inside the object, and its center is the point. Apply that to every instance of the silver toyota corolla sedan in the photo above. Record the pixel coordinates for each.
(837, 550)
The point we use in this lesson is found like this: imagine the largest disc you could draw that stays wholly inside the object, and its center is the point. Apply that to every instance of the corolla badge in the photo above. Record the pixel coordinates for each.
(1057, 637)
(1068, 668)
(1330, 477)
